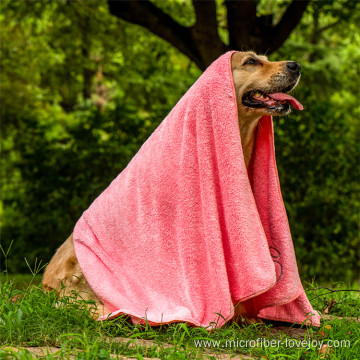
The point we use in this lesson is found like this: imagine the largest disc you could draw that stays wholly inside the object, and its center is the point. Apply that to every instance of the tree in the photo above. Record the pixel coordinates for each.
(64, 137)
(201, 41)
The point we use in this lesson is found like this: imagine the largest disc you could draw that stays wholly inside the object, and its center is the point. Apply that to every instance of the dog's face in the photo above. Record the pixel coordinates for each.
(261, 85)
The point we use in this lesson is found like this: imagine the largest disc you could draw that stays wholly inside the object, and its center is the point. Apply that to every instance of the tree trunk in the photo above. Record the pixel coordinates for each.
(201, 42)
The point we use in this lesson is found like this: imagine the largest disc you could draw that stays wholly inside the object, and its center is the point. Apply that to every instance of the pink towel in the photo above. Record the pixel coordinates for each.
(184, 233)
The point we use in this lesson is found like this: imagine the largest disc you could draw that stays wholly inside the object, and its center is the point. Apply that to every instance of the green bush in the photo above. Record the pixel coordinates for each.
(82, 91)
(319, 176)
(60, 176)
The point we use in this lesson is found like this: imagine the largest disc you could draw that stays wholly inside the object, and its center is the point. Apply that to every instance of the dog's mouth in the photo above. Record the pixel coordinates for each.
(277, 101)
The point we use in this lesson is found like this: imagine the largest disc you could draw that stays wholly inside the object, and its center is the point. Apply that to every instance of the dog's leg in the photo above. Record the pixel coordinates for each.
(244, 313)
(64, 269)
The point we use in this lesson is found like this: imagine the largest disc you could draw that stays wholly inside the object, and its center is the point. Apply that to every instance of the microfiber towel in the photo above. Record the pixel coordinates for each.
(186, 231)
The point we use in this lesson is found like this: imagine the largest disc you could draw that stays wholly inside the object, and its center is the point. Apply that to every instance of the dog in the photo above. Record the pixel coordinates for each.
(261, 87)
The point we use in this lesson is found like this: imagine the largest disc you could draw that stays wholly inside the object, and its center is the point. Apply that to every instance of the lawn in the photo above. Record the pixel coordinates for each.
(33, 320)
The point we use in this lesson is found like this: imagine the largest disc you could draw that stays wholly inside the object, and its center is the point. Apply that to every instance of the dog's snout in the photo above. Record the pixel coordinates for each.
(293, 66)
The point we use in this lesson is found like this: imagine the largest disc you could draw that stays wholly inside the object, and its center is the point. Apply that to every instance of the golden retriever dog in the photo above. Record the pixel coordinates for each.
(260, 87)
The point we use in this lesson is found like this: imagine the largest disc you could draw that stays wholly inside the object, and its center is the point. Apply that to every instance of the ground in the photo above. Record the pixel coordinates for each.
(31, 326)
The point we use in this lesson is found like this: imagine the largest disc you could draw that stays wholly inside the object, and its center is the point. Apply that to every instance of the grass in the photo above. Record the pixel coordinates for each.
(29, 317)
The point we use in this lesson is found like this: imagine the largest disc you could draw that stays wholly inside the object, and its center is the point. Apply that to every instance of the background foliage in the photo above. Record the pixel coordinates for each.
(82, 90)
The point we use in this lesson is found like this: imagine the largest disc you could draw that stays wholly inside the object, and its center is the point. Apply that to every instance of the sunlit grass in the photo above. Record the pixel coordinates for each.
(30, 317)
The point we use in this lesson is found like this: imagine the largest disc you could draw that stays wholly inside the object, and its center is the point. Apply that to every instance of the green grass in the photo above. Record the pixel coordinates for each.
(39, 319)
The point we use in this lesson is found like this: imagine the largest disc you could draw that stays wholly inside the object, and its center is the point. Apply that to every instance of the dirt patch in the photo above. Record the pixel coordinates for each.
(134, 343)
(42, 351)
(37, 351)
(333, 317)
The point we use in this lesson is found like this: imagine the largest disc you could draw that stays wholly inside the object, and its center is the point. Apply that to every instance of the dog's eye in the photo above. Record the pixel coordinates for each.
(251, 61)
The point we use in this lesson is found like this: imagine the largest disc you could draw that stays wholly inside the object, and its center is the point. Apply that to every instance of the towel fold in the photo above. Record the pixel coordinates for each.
(185, 231)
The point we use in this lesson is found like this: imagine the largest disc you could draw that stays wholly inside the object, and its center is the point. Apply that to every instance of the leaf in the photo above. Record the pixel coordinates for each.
(331, 304)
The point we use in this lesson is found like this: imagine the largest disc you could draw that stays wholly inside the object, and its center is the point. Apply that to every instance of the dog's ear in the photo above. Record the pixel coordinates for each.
(236, 59)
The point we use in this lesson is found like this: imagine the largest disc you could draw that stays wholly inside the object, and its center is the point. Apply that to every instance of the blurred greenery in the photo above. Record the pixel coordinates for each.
(21, 281)
(82, 90)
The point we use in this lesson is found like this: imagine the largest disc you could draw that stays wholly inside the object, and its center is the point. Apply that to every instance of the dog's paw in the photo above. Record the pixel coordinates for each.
(248, 320)
(244, 314)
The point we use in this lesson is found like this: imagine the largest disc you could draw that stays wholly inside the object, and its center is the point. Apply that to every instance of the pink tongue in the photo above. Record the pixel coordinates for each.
(281, 97)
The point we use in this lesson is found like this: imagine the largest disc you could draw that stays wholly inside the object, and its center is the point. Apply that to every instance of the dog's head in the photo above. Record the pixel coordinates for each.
(261, 85)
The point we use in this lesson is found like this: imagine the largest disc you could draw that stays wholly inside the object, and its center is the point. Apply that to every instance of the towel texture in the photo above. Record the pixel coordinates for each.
(184, 232)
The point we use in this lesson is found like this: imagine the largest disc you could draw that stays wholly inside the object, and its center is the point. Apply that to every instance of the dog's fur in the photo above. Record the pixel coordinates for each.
(251, 73)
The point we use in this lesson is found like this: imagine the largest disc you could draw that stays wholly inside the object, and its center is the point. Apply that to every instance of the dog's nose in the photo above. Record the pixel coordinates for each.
(293, 66)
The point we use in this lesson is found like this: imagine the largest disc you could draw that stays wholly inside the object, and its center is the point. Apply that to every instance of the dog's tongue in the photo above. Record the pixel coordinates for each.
(281, 97)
